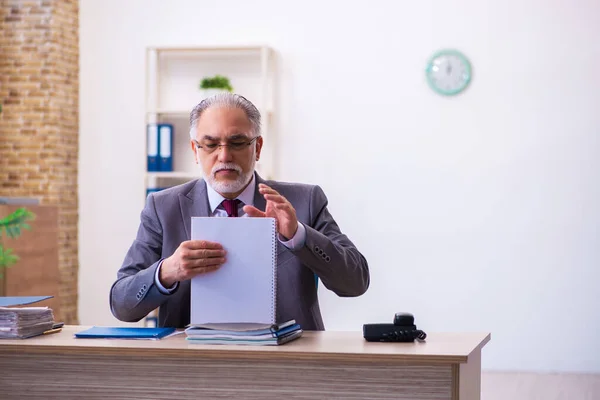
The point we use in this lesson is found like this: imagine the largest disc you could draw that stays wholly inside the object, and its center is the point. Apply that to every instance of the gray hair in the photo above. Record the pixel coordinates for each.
(230, 100)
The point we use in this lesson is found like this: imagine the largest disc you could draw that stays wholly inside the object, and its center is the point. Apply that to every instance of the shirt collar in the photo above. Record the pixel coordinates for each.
(246, 197)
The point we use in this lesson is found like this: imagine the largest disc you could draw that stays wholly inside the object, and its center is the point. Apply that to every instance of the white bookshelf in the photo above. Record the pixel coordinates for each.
(173, 76)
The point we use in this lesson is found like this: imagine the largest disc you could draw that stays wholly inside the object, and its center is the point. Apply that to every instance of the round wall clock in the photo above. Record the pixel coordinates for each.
(448, 72)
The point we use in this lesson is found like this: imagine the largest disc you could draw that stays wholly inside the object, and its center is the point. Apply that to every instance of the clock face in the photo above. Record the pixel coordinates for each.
(448, 72)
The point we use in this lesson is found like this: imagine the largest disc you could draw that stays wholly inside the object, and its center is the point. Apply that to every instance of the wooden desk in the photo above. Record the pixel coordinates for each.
(320, 365)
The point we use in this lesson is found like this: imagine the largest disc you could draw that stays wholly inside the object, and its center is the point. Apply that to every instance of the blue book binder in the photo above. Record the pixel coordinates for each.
(11, 301)
(100, 332)
(165, 140)
(152, 190)
(152, 142)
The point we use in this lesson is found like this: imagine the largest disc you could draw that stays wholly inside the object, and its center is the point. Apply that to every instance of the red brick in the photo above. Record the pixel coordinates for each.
(40, 117)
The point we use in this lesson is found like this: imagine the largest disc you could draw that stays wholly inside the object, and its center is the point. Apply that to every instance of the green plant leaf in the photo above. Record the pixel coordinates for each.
(12, 224)
(14, 231)
(7, 258)
(216, 82)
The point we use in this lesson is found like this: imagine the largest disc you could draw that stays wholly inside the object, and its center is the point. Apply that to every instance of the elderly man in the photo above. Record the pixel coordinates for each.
(226, 142)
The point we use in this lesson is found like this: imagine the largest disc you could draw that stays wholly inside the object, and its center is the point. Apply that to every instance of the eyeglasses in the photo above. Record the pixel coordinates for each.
(237, 144)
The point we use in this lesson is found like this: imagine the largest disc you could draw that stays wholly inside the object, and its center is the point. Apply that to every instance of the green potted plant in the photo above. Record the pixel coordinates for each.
(11, 227)
(212, 85)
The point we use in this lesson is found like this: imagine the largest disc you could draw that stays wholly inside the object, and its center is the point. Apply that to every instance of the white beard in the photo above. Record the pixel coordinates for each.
(229, 186)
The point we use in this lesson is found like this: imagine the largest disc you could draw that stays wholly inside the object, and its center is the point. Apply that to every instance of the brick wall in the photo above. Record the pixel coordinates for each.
(39, 88)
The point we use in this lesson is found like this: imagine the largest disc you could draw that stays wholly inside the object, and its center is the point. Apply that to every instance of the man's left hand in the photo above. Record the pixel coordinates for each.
(278, 207)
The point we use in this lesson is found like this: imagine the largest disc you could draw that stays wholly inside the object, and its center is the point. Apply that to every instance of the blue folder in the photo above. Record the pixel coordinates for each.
(152, 190)
(101, 332)
(152, 149)
(11, 301)
(165, 146)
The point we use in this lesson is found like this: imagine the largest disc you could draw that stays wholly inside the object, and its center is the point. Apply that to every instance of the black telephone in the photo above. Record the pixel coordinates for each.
(402, 330)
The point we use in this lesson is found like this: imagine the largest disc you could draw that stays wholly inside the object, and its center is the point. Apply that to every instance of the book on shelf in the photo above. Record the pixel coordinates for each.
(165, 154)
(153, 190)
(159, 147)
(152, 147)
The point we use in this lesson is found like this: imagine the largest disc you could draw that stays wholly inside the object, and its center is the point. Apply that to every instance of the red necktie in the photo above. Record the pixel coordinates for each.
(231, 206)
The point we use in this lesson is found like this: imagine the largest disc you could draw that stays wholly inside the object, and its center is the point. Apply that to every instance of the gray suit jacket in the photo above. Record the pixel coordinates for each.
(165, 223)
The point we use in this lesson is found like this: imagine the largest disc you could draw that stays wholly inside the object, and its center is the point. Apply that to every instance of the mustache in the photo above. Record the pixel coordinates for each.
(222, 166)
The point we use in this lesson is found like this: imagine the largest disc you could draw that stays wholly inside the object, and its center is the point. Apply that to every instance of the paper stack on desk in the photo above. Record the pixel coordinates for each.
(25, 322)
(247, 334)
(17, 321)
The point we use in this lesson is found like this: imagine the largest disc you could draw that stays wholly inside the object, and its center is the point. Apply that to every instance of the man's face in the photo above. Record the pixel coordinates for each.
(229, 168)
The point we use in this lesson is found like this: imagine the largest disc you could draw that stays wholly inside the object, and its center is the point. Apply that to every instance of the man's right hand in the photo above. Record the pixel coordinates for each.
(191, 258)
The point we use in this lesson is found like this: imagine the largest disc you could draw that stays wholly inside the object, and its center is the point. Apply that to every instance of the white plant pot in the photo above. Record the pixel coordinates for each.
(205, 93)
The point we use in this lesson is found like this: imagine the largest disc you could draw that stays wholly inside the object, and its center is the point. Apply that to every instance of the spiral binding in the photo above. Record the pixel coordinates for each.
(274, 281)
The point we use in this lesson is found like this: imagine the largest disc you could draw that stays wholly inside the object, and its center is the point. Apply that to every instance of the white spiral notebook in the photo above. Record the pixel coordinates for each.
(243, 290)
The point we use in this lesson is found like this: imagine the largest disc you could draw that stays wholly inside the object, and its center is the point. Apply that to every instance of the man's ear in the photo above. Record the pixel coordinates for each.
(259, 145)
(193, 145)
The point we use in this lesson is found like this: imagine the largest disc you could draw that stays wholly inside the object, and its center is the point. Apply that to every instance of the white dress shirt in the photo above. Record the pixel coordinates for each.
(217, 210)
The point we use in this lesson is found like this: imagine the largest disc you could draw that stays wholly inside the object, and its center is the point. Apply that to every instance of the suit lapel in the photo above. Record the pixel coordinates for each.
(261, 204)
(194, 204)
(259, 200)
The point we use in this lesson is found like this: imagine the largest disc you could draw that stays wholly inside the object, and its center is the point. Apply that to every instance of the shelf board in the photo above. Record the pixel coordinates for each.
(173, 175)
(210, 49)
(181, 113)
(175, 113)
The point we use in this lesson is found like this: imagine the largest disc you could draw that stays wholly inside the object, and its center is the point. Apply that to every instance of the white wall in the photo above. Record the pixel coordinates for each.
(496, 192)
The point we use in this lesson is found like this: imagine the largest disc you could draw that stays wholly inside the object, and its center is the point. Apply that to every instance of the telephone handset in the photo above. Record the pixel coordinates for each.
(402, 330)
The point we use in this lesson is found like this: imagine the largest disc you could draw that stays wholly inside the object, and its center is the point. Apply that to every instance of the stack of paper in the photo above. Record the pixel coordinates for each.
(25, 322)
(241, 333)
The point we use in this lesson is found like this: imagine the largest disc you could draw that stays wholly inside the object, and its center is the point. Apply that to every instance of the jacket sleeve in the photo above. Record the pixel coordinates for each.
(330, 254)
(134, 294)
